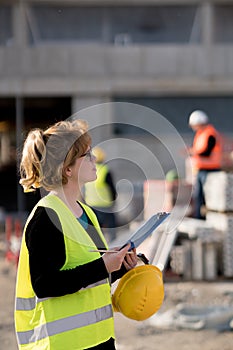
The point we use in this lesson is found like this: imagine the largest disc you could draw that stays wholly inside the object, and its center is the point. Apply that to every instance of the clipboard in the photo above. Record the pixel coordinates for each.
(146, 230)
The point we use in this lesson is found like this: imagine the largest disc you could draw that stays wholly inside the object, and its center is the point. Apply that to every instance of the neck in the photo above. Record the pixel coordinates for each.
(70, 198)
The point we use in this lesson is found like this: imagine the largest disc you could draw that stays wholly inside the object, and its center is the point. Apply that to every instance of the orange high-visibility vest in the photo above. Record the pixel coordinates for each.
(200, 143)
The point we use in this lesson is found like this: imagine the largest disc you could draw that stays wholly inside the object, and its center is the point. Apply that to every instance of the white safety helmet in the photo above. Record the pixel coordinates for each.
(198, 118)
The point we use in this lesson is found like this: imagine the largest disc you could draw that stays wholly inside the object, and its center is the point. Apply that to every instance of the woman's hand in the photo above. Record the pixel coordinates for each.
(113, 261)
(130, 260)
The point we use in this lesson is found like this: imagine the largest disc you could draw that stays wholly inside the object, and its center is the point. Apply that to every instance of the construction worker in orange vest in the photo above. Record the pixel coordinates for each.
(206, 156)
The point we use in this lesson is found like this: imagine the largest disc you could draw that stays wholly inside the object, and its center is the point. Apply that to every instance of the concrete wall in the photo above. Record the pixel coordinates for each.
(94, 74)
(98, 70)
(105, 70)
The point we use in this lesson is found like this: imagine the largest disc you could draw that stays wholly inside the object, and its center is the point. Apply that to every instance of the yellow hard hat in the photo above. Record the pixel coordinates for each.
(99, 154)
(140, 293)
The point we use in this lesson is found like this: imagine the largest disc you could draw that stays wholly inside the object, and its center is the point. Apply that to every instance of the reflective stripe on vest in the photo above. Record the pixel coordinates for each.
(63, 325)
(78, 320)
(214, 160)
(98, 192)
(26, 304)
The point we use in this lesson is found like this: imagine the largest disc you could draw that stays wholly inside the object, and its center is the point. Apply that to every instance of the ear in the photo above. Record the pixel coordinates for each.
(68, 172)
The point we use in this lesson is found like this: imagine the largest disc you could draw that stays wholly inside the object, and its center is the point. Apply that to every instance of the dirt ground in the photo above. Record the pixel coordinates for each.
(132, 335)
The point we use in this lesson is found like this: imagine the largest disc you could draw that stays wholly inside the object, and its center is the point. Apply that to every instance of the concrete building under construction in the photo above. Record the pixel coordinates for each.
(59, 57)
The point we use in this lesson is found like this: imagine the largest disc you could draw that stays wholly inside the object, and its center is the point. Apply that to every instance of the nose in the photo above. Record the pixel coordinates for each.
(93, 157)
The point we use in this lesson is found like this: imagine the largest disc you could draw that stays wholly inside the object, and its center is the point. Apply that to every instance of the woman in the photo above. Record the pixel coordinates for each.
(63, 298)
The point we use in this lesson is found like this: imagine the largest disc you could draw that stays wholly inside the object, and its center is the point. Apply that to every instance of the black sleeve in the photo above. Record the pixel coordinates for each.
(118, 274)
(210, 146)
(46, 247)
(109, 181)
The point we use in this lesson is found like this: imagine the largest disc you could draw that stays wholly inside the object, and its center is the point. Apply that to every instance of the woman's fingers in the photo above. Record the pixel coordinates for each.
(113, 261)
(130, 260)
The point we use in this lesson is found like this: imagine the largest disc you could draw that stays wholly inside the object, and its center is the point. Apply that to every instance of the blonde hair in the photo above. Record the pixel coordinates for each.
(46, 154)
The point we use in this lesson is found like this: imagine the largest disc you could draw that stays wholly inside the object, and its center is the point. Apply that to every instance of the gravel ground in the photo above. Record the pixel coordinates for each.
(132, 335)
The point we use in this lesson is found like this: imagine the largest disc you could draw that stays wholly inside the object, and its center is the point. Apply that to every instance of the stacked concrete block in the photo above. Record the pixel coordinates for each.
(228, 255)
(219, 202)
(195, 260)
(224, 223)
(177, 259)
(181, 260)
(220, 221)
(200, 249)
(197, 228)
(219, 191)
(211, 261)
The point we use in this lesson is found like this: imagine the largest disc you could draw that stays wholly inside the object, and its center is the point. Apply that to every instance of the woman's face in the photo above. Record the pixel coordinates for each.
(84, 169)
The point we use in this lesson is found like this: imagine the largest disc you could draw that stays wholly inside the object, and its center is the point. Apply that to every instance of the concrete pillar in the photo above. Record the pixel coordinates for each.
(20, 32)
(207, 39)
(207, 23)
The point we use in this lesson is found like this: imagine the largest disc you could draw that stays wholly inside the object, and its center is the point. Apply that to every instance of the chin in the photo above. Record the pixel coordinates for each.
(92, 179)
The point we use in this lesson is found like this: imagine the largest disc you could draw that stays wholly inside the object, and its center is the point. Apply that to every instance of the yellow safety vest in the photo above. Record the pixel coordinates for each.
(75, 321)
(98, 193)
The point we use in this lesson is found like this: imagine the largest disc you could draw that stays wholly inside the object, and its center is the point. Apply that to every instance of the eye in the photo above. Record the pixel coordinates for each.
(88, 155)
